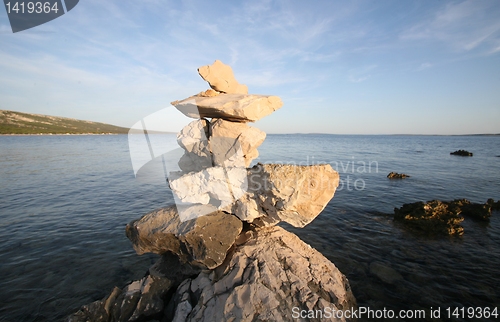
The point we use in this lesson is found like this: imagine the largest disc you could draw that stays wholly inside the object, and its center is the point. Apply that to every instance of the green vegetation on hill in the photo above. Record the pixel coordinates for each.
(24, 123)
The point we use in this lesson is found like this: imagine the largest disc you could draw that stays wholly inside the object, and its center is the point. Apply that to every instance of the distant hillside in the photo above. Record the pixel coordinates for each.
(24, 123)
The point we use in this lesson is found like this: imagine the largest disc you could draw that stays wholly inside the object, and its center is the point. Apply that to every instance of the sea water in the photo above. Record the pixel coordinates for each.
(65, 201)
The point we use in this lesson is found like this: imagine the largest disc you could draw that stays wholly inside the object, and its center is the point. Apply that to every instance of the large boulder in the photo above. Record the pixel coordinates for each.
(230, 107)
(291, 193)
(268, 278)
(203, 241)
(221, 78)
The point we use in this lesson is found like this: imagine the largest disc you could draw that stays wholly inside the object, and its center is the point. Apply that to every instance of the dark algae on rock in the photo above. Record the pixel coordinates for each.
(462, 153)
(395, 175)
(437, 217)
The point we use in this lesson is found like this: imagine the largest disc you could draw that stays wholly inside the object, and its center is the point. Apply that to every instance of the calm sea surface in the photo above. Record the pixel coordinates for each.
(65, 201)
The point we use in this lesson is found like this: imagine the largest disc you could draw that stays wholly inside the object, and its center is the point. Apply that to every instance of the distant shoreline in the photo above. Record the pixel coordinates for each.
(61, 134)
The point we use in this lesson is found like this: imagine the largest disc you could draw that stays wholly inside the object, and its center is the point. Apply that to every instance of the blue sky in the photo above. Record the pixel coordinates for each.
(363, 67)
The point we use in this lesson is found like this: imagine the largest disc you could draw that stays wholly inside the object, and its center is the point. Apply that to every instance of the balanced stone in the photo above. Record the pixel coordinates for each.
(193, 138)
(230, 107)
(228, 137)
(218, 143)
(203, 241)
(215, 185)
(291, 193)
(221, 78)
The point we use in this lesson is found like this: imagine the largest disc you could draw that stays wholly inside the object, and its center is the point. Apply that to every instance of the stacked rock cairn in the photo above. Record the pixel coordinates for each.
(222, 257)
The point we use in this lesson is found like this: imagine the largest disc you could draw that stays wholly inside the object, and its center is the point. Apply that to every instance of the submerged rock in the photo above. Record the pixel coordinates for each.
(263, 280)
(476, 211)
(494, 205)
(462, 153)
(203, 241)
(385, 273)
(395, 175)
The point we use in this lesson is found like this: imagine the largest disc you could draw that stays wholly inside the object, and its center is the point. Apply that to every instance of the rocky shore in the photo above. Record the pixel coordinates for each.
(222, 257)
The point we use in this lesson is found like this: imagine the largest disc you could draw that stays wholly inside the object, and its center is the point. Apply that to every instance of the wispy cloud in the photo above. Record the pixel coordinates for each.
(464, 26)
(423, 66)
(361, 74)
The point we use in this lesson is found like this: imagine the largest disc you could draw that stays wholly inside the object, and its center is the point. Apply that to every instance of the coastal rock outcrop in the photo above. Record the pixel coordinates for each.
(442, 217)
(222, 257)
(141, 300)
(433, 217)
(395, 175)
(263, 280)
(462, 153)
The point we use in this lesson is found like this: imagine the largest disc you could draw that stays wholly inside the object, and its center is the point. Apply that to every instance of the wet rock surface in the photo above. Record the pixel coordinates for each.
(442, 217)
(395, 175)
(462, 153)
(433, 217)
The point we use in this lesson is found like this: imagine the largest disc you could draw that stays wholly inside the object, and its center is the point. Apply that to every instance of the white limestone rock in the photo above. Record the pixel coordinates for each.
(234, 144)
(290, 193)
(221, 78)
(230, 107)
(217, 186)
